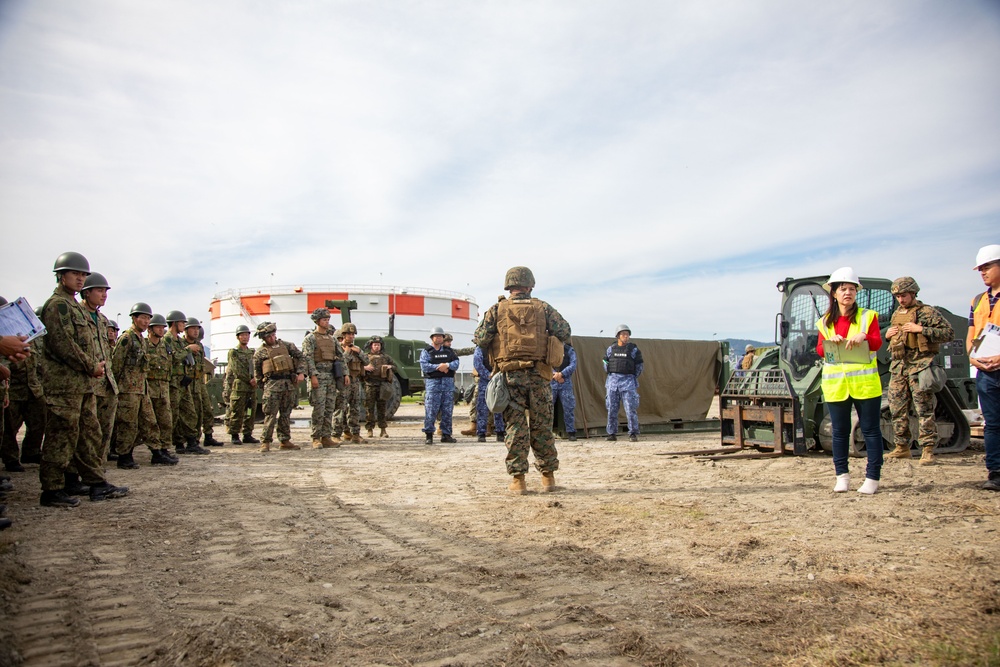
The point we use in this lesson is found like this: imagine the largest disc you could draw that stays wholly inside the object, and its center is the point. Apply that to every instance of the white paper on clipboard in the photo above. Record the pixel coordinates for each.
(18, 319)
(987, 344)
(838, 353)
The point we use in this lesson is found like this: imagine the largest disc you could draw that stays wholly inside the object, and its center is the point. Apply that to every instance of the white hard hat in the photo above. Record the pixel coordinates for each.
(844, 274)
(987, 254)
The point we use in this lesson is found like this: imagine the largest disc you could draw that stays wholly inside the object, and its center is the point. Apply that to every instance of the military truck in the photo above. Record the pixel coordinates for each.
(803, 302)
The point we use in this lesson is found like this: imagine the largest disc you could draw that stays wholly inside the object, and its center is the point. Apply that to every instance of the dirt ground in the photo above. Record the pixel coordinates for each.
(398, 553)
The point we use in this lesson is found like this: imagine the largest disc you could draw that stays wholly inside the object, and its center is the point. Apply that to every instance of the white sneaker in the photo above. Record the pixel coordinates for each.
(869, 487)
(843, 483)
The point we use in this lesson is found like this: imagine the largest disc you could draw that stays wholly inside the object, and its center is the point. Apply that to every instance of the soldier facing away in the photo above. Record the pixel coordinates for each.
(914, 334)
(518, 334)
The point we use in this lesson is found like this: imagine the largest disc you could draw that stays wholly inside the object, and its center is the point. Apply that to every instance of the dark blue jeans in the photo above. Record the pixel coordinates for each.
(868, 418)
(988, 386)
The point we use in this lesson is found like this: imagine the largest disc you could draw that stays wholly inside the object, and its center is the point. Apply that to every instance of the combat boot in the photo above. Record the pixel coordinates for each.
(481, 438)
(611, 438)
(501, 436)
(992, 482)
(211, 442)
(327, 442)
(548, 481)
(317, 443)
(900, 452)
(234, 439)
(383, 433)
(74, 486)
(469, 431)
(571, 437)
(248, 439)
(927, 457)
(126, 462)
(448, 439)
(357, 439)
(429, 439)
(107, 491)
(57, 498)
(193, 447)
(162, 457)
(265, 447)
(371, 433)
(288, 444)
(517, 485)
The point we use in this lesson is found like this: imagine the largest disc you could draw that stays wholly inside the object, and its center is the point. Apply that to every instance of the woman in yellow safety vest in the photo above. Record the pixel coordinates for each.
(851, 384)
(985, 311)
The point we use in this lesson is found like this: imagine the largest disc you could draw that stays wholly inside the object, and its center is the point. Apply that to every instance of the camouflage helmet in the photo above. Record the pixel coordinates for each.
(114, 325)
(71, 261)
(176, 316)
(242, 329)
(437, 331)
(349, 328)
(95, 280)
(158, 321)
(265, 329)
(622, 327)
(519, 276)
(338, 334)
(191, 323)
(448, 338)
(319, 314)
(140, 308)
(372, 340)
(903, 285)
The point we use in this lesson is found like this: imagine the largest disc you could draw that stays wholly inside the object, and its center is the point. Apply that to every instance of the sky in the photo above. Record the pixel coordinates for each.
(659, 164)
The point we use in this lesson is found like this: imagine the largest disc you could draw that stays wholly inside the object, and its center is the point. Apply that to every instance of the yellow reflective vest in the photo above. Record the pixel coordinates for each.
(843, 381)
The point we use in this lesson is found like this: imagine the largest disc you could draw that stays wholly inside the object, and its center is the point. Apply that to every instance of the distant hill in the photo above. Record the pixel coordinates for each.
(737, 345)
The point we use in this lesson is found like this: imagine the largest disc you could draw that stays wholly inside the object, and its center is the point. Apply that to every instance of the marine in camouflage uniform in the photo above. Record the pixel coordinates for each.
(914, 335)
(136, 420)
(324, 364)
(528, 416)
(239, 390)
(159, 361)
(347, 417)
(26, 407)
(69, 370)
(184, 371)
(379, 374)
(278, 367)
(94, 295)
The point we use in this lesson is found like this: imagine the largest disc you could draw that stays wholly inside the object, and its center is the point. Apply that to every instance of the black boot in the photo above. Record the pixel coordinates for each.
(211, 442)
(429, 440)
(571, 437)
(193, 448)
(611, 438)
(501, 436)
(448, 439)
(126, 462)
(165, 453)
(57, 498)
(74, 487)
(13, 466)
(250, 440)
(107, 491)
(5, 523)
(162, 457)
(481, 438)
(112, 455)
(31, 458)
(234, 439)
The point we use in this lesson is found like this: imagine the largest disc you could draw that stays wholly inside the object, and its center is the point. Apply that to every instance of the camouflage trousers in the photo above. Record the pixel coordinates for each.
(182, 410)
(323, 400)
(278, 406)
(164, 419)
(107, 408)
(904, 390)
(31, 414)
(528, 419)
(347, 416)
(135, 422)
(205, 421)
(72, 441)
(374, 406)
(241, 412)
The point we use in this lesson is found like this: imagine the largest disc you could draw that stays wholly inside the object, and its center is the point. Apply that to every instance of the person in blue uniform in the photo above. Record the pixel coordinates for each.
(562, 390)
(623, 364)
(438, 363)
(482, 412)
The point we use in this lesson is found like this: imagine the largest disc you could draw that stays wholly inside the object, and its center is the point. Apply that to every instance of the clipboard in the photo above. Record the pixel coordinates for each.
(837, 353)
(987, 344)
(18, 319)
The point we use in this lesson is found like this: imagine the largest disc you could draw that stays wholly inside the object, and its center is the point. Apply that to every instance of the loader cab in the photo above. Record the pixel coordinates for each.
(804, 301)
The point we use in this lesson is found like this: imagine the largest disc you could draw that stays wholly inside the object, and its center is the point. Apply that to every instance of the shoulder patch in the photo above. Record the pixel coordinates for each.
(61, 306)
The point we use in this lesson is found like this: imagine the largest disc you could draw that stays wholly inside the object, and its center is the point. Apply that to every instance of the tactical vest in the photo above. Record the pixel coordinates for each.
(354, 364)
(445, 355)
(159, 360)
(278, 360)
(565, 362)
(913, 341)
(325, 347)
(382, 370)
(620, 359)
(521, 334)
(843, 381)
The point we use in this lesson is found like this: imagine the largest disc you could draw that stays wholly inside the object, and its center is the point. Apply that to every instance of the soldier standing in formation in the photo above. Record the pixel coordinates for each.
(26, 405)
(347, 419)
(516, 332)
(70, 368)
(379, 374)
(135, 419)
(204, 415)
(623, 364)
(159, 362)
(93, 296)
(438, 363)
(984, 312)
(483, 374)
(324, 366)
(914, 335)
(562, 390)
(278, 367)
(240, 390)
(183, 373)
